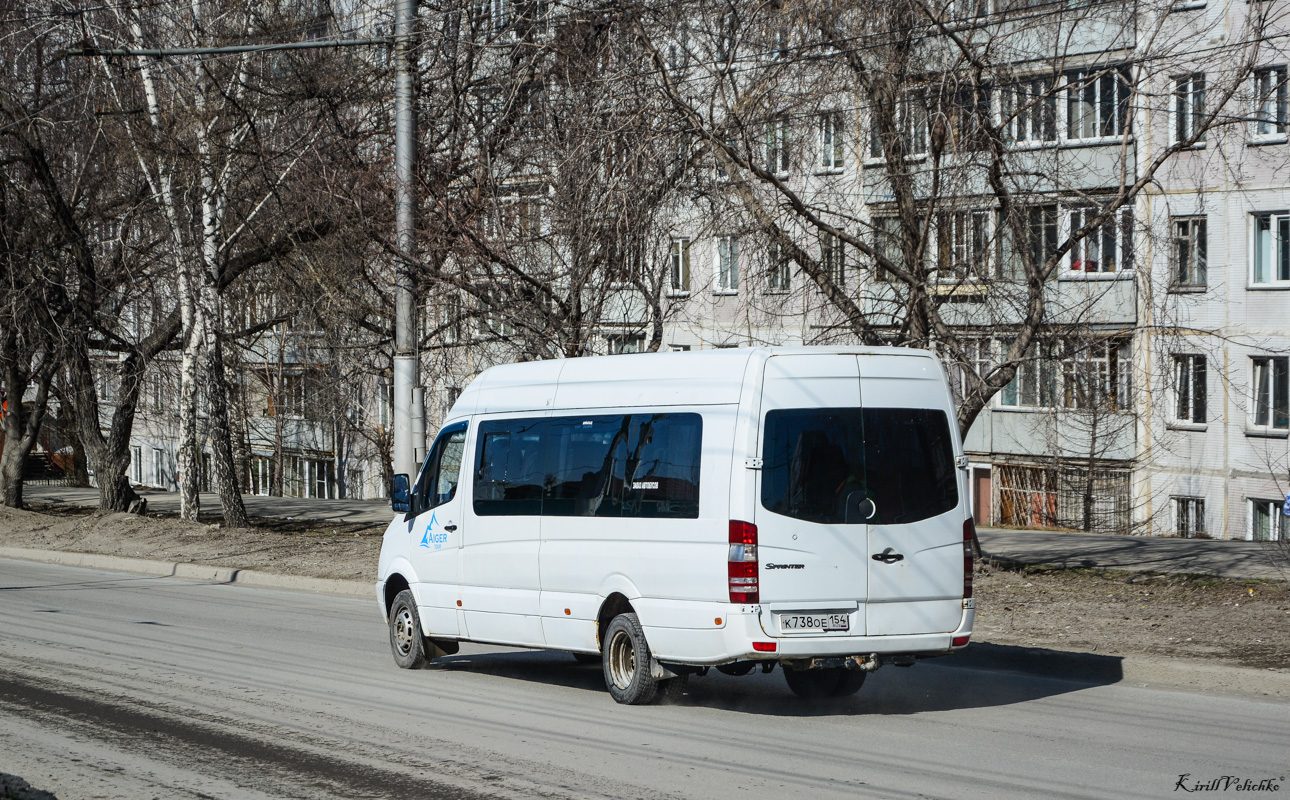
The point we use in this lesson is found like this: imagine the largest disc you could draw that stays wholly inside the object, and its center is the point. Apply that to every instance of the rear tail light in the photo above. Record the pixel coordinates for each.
(742, 566)
(960, 641)
(969, 538)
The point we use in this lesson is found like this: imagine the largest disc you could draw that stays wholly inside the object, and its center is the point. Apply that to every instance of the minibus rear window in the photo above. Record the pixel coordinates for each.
(817, 461)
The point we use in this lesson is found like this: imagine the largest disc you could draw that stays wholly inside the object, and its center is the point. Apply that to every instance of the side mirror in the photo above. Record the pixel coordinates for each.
(400, 494)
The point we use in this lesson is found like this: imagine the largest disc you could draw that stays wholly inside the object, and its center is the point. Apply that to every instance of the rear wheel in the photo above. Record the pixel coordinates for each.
(406, 640)
(813, 684)
(626, 661)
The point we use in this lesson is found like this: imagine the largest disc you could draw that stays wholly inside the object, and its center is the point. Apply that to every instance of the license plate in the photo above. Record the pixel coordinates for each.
(814, 623)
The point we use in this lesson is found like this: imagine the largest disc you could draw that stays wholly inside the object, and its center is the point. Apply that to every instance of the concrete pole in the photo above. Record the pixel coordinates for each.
(405, 323)
(419, 424)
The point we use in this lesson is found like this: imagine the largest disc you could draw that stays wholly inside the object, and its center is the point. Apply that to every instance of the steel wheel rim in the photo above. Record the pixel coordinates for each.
(622, 660)
(403, 627)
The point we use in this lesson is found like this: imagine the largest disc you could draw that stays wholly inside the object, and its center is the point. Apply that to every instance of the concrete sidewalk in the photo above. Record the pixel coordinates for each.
(1227, 559)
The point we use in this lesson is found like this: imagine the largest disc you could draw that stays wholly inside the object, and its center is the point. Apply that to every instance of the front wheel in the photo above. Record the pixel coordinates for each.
(626, 659)
(406, 640)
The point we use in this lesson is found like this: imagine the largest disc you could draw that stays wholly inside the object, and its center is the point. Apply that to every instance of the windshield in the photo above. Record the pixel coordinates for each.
(821, 462)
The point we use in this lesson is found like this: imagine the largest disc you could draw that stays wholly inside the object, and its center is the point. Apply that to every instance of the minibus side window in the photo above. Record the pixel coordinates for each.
(816, 458)
(438, 482)
(585, 461)
(663, 466)
(508, 468)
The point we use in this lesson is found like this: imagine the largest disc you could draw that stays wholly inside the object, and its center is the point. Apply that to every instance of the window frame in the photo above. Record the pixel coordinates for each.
(1269, 88)
(1121, 227)
(1087, 88)
(1039, 113)
(778, 271)
(833, 258)
(778, 160)
(1189, 253)
(1277, 270)
(1188, 107)
(1188, 512)
(678, 273)
(1274, 398)
(1277, 525)
(967, 245)
(1191, 391)
(832, 142)
(726, 265)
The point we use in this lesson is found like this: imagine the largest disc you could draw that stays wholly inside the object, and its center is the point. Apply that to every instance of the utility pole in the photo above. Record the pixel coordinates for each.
(405, 321)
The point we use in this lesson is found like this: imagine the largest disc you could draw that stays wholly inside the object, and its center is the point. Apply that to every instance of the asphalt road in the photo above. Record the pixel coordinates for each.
(117, 686)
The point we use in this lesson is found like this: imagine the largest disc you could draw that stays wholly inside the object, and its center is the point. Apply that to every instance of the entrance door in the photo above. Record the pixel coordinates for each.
(915, 552)
(436, 532)
(809, 515)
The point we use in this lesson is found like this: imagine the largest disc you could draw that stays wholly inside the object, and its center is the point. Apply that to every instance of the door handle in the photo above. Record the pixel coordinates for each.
(888, 556)
(450, 527)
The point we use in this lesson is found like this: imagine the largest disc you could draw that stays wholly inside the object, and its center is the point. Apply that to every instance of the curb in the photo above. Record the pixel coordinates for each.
(198, 573)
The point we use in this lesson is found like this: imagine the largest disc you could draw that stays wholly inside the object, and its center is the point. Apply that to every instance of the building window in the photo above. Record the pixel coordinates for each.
(1271, 248)
(833, 258)
(679, 270)
(1106, 248)
(623, 343)
(831, 140)
(158, 468)
(910, 119)
(1072, 374)
(1189, 107)
(727, 264)
(1189, 385)
(1097, 103)
(777, 269)
(1190, 243)
(777, 145)
(1267, 523)
(136, 465)
(1189, 517)
(261, 476)
(1038, 225)
(962, 245)
(887, 241)
(1028, 111)
(1270, 393)
(1270, 103)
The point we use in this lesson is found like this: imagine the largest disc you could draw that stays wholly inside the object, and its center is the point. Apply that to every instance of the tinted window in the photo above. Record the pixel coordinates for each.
(438, 481)
(663, 466)
(819, 461)
(509, 468)
(585, 466)
(640, 465)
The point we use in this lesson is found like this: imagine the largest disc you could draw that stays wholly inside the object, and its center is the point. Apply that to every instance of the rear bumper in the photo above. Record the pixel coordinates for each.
(734, 642)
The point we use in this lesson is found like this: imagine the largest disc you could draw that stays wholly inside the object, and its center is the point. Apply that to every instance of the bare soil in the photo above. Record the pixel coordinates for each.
(1238, 622)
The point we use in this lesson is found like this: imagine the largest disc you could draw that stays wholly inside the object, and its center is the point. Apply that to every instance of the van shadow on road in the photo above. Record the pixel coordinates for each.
(983, 676)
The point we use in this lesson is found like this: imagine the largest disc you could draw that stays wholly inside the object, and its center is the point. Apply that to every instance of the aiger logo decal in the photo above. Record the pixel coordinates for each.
(785, 566)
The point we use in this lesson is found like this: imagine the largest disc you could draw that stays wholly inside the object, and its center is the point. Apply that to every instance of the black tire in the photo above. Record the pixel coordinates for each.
(625, 659)
(406, 640)
(849, 683)
(813, 684)
(586, 658)
(672, 689)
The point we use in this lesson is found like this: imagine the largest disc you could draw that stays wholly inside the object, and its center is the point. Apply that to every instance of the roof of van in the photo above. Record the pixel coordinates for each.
(700, 377)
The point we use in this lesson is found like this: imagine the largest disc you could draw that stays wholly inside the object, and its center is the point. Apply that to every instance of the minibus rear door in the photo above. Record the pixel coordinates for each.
(915, 552)
(809, 510)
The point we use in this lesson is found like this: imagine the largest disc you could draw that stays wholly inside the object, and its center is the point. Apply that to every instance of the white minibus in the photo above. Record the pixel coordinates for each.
(669, 513)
